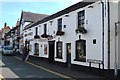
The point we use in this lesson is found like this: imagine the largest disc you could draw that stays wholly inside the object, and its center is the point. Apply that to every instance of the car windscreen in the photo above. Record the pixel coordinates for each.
(8, 48)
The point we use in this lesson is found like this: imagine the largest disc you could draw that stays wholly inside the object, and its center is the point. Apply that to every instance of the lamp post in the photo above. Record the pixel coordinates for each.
(115, 63)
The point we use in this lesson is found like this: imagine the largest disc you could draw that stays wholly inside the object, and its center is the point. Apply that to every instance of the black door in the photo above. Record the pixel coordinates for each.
(51, 51)
(68, 52)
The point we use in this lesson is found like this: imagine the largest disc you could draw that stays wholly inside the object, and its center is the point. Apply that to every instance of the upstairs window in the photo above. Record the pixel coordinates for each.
(81, 18)
(45, 28)
(36, 30)
(60, 24)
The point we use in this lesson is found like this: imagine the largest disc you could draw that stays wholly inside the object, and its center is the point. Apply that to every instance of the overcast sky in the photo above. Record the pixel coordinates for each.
(10, 10)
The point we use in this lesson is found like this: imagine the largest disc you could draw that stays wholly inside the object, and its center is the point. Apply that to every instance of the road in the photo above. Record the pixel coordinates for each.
(11, 67)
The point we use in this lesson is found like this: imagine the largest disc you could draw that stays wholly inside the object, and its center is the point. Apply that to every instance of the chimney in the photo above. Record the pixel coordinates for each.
(5, 25)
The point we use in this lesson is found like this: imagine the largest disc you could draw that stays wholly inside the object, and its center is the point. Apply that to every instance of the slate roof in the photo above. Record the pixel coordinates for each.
(65, 11)
(32, 17)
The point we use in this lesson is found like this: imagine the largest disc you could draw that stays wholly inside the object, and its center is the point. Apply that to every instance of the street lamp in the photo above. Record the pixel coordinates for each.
(115, 63)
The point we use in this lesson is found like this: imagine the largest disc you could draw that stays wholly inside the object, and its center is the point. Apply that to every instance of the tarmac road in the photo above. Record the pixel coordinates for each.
(11, 67)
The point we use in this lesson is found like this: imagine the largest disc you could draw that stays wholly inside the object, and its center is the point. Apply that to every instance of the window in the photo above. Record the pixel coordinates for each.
(81, 50)
(36, 49)
(59, 50)
(36, 29)
(45, 28)
(94, 41)
(60, 24)
(81, 18)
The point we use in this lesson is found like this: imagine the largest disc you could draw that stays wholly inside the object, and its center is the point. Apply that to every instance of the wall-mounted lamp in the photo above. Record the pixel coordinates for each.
(51, 22)
(66, 15)
(86, 21)
(64, 26)
(90, 7)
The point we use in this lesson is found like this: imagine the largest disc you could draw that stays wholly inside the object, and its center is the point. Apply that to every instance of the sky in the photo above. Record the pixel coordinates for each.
(10, 10)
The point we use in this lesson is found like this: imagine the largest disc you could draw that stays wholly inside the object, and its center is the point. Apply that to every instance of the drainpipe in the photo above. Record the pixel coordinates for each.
(115, 63)
(103, 33)
(108, 34)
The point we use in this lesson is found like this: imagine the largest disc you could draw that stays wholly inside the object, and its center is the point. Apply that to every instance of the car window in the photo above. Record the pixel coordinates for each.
(8, 48)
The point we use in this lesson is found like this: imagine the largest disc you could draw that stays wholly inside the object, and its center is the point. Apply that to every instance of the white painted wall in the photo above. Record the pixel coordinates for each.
(113, 19)
(30, 37)
(119, 36)
(94, 28)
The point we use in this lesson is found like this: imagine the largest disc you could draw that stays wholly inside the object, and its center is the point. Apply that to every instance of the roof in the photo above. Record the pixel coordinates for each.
(13, 29)
(32, 17)
(5, 28)
(65, 11)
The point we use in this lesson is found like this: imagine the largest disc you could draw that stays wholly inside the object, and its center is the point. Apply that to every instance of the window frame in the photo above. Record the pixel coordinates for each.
(81, 18)
(45, 28)
(36, 52)
(59, 50)
(36, 31)
(60, 24)
(77, 57)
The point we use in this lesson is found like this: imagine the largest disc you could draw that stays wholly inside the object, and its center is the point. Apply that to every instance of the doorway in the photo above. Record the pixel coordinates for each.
(68, 52)
(51, 51)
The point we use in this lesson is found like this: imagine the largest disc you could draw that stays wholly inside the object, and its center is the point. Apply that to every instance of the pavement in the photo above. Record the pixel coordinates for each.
(63, 70)
(6, 71)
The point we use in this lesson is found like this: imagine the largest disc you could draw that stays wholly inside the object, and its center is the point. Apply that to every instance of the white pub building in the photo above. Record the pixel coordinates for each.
(84, 35)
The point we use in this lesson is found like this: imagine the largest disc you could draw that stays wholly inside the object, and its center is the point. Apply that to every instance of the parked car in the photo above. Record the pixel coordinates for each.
(1, 48)
(8, 50)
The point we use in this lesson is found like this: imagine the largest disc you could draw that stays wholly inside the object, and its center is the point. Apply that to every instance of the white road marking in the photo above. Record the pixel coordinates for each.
(8, 73)
(1, 77)
(56, 73)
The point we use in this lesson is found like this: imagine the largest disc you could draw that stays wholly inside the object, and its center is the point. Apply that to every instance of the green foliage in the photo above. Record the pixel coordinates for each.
(81, 30)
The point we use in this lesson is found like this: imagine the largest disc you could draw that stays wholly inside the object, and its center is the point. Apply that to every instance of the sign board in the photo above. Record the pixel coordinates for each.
(94, 61)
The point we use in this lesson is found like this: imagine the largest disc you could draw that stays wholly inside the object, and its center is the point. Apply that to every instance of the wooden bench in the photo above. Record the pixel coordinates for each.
(90, 61)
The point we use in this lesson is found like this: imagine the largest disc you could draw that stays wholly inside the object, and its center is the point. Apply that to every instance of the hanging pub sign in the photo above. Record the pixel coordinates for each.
(50, 37)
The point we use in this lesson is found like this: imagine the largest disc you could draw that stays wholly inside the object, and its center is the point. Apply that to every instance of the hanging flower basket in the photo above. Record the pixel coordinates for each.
(60, 33)
(37, 37)
(81, 30)
(44, 35)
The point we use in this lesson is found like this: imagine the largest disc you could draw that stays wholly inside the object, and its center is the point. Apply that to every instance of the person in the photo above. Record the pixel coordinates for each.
(25, 52)
(27, 55)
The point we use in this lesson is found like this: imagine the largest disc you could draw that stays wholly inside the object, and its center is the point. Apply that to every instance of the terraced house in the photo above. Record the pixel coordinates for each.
(27, 18)
(81, 36)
